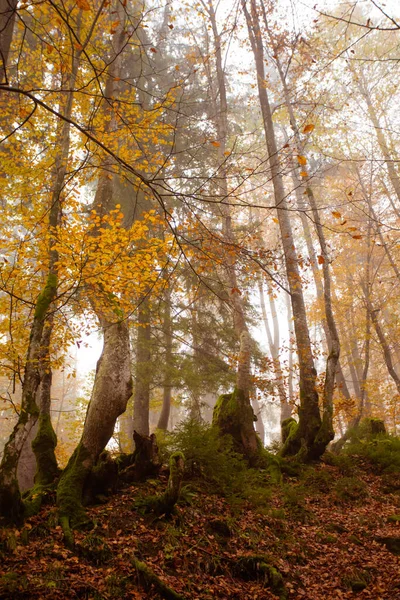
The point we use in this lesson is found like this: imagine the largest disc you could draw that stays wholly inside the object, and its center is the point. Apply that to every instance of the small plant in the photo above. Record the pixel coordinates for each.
(350, 489)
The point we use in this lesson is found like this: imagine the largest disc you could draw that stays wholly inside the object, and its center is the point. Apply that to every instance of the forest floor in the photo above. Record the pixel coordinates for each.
(332, 533)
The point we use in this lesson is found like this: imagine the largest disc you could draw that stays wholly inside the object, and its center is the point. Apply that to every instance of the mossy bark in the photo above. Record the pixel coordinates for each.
(149, 579)
(70, 491)
(111, 392)
(234, 416)
(43, 446)
(164, 504)
(11, 506)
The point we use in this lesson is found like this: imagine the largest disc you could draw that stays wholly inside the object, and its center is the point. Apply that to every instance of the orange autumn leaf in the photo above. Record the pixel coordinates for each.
(83, 4)
(336, 214)
(308, 128)
(321, 259)
(216, 144)
(301, 160)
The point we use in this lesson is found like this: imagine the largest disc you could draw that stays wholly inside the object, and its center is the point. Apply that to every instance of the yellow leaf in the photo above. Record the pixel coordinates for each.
(301, 160)
(275, 220)
(83, 4)
(308, 128)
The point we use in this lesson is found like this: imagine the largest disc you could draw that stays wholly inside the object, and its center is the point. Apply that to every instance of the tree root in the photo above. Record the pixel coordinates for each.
(147, 578)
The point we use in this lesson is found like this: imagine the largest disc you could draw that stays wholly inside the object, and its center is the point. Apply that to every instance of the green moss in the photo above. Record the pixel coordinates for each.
(69, 493)
(46, 297)
(291, 443)
(165, 503)
(43, 447)
(257, 567)
(394, 518)
(233, 416)
(149, 579)
(286, 428)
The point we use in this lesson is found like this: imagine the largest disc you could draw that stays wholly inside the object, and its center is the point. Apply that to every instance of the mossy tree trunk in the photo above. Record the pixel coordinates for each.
(45, 441)
(113, 383)
(111, 392)
(323, 289)
(10, 498)
(38, 355)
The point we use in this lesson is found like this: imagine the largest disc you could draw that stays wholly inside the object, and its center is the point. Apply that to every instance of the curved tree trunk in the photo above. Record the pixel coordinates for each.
(111, 392)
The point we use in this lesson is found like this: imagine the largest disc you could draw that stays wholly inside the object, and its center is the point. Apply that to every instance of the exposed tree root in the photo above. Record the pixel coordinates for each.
(147, 578)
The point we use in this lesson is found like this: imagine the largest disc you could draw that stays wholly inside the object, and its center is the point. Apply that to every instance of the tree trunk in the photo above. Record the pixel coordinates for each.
(167, 386)
(309, 416)
(239, 406)
(141, 397)
(38, 349)
(113, 384)
(111, 392)
(326, 433)
(8, 9)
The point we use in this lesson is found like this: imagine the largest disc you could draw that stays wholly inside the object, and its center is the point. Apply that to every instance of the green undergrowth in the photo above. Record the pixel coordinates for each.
(213, 459)
(382, 451)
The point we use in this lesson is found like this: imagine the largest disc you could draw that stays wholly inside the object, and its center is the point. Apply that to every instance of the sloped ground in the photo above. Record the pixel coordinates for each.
(324, 531)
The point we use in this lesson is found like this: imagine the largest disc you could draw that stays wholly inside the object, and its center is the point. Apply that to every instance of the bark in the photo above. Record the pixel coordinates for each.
(309, 415)
(326, 433)
(45, 441)
(290, 360)
(111, 392)
(383, 342)
(141, 398)
(39, 345)
(144, 462)
(167, 386)
(165, 503)
(8, 9)
(113, 384)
